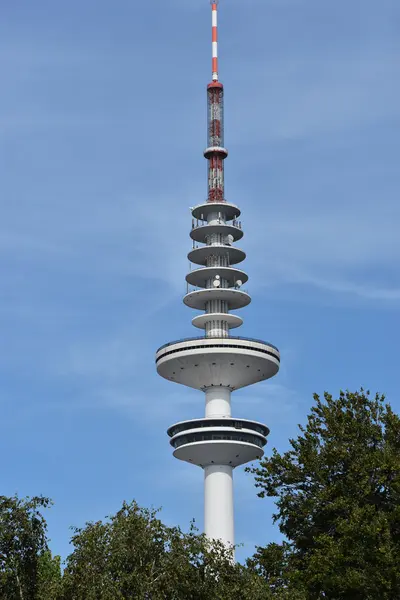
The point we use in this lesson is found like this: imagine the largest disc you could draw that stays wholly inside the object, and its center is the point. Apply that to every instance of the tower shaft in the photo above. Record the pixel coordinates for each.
(217, 363)
(218, 503)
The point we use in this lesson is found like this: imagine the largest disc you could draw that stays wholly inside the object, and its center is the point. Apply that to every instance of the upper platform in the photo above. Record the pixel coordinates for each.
(201, 211)
(230, 319)
(202, 232)
(235, 298)
(201, 254)
(208, 152)
(200, 277)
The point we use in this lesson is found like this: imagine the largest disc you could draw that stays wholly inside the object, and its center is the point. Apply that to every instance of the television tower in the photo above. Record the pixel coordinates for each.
(217, 363)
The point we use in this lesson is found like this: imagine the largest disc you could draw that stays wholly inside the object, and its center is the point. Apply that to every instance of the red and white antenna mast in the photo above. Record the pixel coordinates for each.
(215, 152)
(214, 5)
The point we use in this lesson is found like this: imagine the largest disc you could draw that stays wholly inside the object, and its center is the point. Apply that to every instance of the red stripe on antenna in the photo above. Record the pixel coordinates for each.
(214, 41)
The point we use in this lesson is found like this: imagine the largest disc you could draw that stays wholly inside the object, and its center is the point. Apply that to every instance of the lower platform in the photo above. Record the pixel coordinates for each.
(230, 453)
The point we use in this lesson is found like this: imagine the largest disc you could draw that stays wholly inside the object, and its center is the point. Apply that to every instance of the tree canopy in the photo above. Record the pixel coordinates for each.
(134, 555)
(27, 569)
(338, 503)
(337, 491)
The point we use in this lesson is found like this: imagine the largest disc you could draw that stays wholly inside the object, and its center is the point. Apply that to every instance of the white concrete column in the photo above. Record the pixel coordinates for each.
(218, 402)
(218, 503)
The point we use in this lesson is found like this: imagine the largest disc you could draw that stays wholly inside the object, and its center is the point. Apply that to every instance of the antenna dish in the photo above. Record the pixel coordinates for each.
(239, 283)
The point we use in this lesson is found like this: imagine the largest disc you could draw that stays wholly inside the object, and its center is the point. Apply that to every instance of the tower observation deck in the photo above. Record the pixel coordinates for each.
(217, 363)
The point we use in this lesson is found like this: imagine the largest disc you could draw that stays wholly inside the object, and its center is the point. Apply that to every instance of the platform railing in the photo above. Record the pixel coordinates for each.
(197, 223)
(191, 288)
(231, 337)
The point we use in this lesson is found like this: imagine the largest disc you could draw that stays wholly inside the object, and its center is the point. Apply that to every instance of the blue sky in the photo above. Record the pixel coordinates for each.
(103, 123)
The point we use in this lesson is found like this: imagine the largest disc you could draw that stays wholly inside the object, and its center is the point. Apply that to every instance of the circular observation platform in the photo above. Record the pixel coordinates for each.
(232, 362)
(201, 211)
(231, 275)
(202, 232)
(204, 442)
(240, 424)
(232, 453)
(212, 150)
(233, 321)
(200, 255)
(235, 298)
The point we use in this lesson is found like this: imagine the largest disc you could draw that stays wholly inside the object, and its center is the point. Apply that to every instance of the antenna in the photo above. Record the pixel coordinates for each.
(214, 6)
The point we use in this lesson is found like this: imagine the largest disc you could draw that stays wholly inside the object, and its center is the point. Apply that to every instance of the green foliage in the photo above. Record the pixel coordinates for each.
(338, 491)
(23, 550)
(49, 577)
(338, 506)
(134, 555)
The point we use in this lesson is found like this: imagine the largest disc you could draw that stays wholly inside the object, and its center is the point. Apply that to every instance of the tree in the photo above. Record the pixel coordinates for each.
(338, 491)
(24, 551)
(49, 577)
(134, 555)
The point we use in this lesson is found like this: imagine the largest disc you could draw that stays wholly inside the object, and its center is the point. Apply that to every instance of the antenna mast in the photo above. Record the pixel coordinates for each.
(214, 5)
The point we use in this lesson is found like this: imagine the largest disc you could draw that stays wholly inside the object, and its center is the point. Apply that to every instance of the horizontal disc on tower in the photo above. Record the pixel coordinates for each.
(235, 422)
(202, 232)
(235, 298)
(233, 321)
(225, 431)
(200, 277)
(208, 152)
(204, 363)
(201, 211)
(200, 255)
(232, 452)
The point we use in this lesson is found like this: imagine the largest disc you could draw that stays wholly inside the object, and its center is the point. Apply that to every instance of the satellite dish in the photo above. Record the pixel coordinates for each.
(229, 239)
(239, 283)
(218, 277)
(216, 283)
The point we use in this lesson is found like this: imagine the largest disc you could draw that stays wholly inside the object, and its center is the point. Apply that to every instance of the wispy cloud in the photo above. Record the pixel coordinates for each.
(348, 253)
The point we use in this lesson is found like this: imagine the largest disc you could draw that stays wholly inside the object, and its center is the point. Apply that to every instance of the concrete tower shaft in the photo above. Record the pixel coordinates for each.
(217, 363)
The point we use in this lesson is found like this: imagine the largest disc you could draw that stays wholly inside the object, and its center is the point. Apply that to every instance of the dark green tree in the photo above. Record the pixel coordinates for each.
(338, 500)
(134, 555)
(24, 553)
(49, 577)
